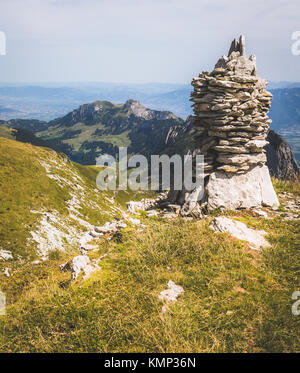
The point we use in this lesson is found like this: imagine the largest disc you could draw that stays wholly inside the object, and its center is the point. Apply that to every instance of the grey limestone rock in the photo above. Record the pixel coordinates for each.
(231, 125)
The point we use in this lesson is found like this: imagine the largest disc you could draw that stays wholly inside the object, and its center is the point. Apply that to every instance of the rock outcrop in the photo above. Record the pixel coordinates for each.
(280, 158)
(240, 231)
(231, 124)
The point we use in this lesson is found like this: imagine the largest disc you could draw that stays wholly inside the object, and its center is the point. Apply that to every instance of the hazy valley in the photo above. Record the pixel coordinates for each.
(46, 103)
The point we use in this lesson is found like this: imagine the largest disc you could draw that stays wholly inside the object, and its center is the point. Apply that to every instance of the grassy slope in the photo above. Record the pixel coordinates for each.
(6, 132)
(235, 299)
(24, 136)
(26, 187)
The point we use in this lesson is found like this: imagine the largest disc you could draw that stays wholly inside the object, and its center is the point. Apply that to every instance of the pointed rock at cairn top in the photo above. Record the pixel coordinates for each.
(238, 46)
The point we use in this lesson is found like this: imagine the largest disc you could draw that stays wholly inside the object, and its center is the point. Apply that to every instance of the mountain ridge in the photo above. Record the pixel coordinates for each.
(102, 127)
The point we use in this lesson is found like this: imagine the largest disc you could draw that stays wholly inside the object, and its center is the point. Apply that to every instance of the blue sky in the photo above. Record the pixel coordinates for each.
(141, 41)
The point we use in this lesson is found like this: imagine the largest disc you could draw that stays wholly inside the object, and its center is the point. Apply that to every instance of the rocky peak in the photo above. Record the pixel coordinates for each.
(86, 113)
(94, 107)
(137, 109)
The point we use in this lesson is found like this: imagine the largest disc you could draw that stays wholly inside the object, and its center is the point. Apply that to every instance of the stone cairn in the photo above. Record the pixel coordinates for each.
(231, 106)
(230, 127)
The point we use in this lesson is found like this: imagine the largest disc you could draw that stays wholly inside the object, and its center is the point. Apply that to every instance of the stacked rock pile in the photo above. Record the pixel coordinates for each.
(230, 106)
(230, 125)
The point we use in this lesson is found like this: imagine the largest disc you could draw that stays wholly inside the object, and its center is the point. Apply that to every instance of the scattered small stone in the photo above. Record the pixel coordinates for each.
(6, 272)
(238, 289)
(88, 247)
(170, 295)
(144, 204)
(240, 231)
(110, 227)
(107, 228)
(135, 221)
(169, 215)
(95, 234)
(164, 309)
(78, 264)
(261, 213)
(121, 225)
(5, 255)
(152, 213)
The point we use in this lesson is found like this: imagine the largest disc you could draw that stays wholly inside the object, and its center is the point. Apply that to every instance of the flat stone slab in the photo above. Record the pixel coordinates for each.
(241, 191)
(240, 231)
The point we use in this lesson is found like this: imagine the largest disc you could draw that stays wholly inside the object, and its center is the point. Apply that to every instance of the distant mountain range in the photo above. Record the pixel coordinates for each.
(285, 109)
(49, 102)
(102, 127)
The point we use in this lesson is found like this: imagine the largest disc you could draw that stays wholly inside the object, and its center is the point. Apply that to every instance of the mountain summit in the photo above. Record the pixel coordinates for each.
(139, 110)
(102, 127)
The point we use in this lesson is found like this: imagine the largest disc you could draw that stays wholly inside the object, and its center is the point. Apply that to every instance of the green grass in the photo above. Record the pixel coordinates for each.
(6, 132)
(25, 187)
(235, 300)
(281, 186)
